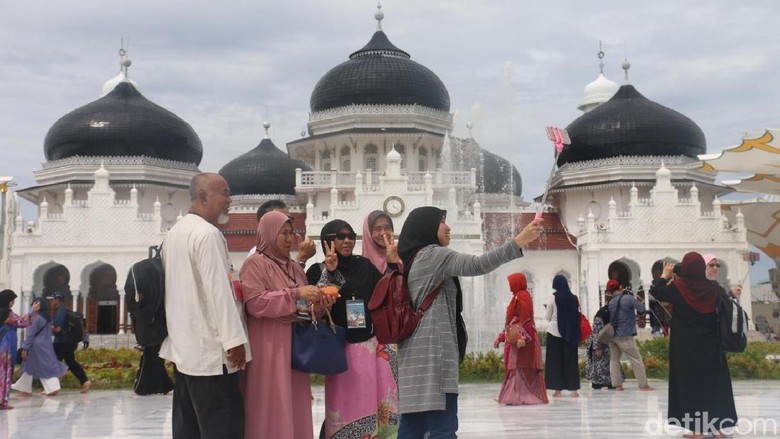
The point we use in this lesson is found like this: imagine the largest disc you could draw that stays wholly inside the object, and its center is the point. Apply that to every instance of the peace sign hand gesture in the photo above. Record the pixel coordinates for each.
(392, 248)
(331, 260)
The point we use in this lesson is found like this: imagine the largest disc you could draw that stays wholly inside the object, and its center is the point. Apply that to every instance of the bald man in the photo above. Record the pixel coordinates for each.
(207, 340)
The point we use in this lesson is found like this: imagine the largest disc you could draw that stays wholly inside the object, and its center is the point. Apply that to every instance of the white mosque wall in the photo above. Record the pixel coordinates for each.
(9, 202)
(663, 226)
(93, 227)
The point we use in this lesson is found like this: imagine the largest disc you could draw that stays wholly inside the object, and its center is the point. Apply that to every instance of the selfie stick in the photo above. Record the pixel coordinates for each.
(559, 138)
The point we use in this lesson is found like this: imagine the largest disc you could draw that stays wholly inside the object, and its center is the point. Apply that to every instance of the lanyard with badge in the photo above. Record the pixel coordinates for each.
(356, 313)
(301, 305)
(355, 308)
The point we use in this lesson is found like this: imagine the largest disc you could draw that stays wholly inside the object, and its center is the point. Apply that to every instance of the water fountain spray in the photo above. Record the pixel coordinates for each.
(559, 138)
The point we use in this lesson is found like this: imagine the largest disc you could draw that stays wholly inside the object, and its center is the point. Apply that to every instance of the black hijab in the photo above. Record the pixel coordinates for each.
(420, 230)
(328, 234)
(568, 311)
(360, 275)
(6, 297)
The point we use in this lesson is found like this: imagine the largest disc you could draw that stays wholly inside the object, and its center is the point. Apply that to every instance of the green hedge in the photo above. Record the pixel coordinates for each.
(751, 364)
(116, 368)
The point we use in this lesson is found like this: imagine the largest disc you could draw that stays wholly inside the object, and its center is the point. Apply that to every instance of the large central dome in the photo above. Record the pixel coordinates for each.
(629, 124)
(379, 74)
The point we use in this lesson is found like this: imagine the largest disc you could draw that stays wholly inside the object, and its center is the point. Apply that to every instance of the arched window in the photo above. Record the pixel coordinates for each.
(346, 162)
(325, 156)
(371, 157)
(422, 162)
(401, 150)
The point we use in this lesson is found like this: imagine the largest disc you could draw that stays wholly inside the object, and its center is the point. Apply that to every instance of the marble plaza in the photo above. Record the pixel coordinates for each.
(596, 414)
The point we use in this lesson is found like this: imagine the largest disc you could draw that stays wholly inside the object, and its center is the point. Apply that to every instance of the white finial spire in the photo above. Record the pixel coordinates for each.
(601, 58)
(124, 60)
(469, 126)
(124, 64)
(266, 125)
(626, 65)
(379, 15)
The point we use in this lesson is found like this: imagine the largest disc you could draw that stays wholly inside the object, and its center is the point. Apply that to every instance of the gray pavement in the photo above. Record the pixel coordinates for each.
(596, 414)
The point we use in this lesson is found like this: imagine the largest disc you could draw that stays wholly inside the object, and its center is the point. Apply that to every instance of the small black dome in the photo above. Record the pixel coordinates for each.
(495, 174)
(629, 124)
(123, 123)
(379, 74)
(265, 170)
(498, 176)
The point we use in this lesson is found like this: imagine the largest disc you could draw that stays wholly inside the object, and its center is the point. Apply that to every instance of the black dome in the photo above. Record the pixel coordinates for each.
(498, 176)
(377, 74)
(265, 170)
(495, 174)
(123, 123)
(629, 124)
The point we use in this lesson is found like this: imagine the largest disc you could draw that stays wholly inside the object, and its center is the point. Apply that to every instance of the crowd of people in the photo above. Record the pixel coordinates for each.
(45, 345)
(232, 349)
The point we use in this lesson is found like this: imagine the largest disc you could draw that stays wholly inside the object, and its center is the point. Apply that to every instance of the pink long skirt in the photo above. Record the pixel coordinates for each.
(363, 401)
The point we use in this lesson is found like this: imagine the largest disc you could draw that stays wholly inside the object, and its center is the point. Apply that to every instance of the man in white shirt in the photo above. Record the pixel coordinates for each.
(206, 333)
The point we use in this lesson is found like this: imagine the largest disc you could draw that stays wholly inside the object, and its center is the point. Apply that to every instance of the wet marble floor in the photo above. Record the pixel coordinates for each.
(596, 414)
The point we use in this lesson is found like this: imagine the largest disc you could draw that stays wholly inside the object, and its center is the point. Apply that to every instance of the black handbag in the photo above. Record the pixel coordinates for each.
(318, 347)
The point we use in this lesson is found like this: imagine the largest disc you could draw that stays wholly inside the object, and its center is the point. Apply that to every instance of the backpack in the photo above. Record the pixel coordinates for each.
(145, 297)
(732, 325)
(75, 330)
(394, 318)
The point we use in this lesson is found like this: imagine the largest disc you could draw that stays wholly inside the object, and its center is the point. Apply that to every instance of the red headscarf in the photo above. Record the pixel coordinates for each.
(521, 306)
(699, 293)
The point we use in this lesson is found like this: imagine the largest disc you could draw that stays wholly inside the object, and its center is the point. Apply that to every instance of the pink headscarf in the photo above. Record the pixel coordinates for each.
(269, 270)
(707, 258)
(267, 230)
(376, 254)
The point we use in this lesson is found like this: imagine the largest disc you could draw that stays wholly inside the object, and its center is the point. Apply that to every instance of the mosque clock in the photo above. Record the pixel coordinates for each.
(394, 206)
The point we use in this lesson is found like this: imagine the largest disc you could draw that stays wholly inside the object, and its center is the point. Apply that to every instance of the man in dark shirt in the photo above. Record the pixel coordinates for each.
(622, 314)
(63, 346)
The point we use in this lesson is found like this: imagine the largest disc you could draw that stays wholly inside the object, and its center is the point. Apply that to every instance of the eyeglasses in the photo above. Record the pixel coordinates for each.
(386, 228)
(713, 265)
(342, 236)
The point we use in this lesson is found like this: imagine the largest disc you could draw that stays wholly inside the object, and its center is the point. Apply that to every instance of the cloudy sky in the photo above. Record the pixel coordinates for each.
(224, 67)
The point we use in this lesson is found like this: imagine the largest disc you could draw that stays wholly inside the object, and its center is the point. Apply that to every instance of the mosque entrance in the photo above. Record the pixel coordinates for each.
(56, 278)
(103, 298)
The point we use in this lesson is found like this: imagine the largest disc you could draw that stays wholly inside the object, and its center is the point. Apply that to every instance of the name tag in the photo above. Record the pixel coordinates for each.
(356, 314)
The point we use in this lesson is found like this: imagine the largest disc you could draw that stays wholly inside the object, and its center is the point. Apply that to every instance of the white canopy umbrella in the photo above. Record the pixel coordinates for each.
(759, 156)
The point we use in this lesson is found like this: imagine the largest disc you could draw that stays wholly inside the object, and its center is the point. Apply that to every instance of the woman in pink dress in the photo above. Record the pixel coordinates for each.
(277, 399)
(524, 377)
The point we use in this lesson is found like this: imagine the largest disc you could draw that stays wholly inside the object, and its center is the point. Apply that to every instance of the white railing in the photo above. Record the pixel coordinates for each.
(415, 180)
